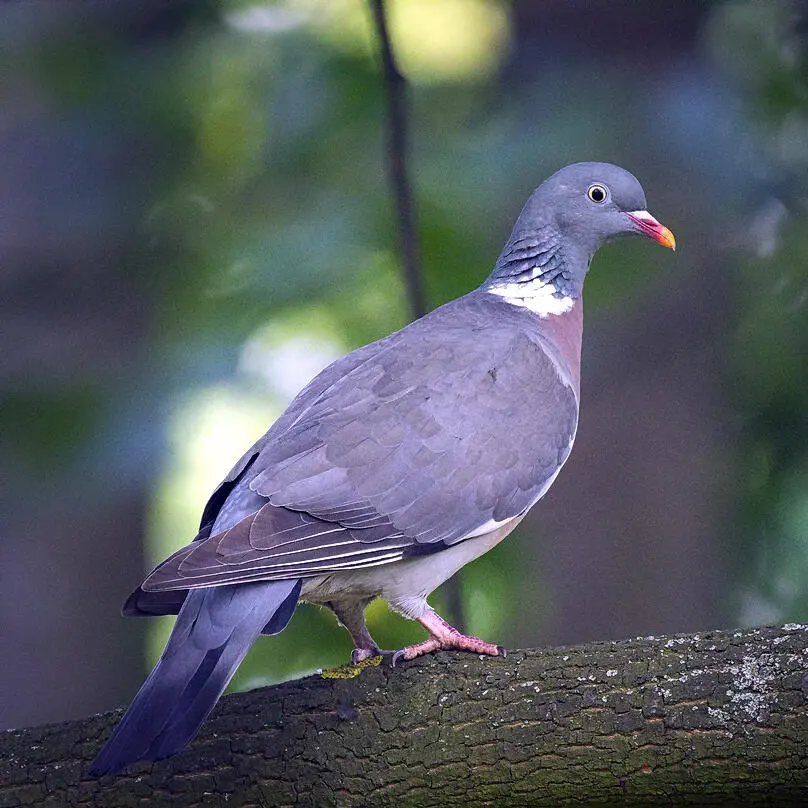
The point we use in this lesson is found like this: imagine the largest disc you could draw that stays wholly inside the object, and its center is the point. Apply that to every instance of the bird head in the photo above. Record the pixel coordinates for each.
(590, 204)
(565, 221)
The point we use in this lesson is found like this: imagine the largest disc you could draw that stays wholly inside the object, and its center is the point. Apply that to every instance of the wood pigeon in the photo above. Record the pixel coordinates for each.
(394, 467)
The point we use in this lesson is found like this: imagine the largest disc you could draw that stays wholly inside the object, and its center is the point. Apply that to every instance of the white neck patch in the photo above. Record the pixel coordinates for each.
(535, 295)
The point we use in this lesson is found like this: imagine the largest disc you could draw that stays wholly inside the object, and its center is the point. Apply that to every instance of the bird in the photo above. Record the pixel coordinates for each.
(393, 468)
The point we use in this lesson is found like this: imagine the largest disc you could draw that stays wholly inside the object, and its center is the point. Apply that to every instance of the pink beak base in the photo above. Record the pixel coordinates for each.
(649, 226)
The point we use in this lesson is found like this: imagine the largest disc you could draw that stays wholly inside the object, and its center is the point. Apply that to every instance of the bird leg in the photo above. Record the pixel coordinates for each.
(351, 615)
(442, 636)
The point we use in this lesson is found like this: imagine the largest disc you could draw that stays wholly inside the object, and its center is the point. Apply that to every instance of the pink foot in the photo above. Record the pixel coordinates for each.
(443, 637)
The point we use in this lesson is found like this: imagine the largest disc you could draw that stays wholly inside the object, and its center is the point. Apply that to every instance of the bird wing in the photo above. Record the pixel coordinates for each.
(413, 443)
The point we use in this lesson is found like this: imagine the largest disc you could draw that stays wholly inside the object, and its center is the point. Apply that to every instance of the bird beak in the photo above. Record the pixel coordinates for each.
(649, 226)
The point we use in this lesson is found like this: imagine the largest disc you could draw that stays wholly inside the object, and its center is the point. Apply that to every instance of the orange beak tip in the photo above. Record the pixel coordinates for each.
(645, 223)
(667, 239)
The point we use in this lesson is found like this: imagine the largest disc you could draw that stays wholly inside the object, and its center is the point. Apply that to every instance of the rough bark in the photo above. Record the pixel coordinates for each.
(710, 719)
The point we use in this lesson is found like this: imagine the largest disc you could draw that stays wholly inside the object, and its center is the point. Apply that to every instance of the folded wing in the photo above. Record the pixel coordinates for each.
(407, 446)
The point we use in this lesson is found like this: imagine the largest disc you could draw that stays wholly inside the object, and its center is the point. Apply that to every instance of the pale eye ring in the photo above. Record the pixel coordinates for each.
(598, 193)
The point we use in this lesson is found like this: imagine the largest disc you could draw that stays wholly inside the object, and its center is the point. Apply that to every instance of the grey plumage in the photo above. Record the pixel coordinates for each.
(431, 436)
(395, 466)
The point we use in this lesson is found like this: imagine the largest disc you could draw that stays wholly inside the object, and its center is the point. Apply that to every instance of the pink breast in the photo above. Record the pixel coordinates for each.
(565, 332)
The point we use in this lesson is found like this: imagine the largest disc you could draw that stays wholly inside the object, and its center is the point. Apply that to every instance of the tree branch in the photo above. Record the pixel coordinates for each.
(397, 151)
(711, 719)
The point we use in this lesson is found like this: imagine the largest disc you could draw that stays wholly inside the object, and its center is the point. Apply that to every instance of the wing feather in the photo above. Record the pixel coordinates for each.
(273, 544)
(415, 441)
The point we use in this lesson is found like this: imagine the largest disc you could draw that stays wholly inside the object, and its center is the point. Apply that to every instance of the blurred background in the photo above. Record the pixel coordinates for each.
(194, 219)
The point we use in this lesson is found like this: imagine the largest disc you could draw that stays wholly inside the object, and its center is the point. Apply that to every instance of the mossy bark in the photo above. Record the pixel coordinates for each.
(717, 718)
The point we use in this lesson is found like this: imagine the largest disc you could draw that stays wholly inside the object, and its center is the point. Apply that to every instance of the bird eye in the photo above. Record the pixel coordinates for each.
(598, 193)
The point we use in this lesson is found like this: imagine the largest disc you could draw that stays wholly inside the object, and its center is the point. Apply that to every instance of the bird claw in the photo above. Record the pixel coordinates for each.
(359, 655)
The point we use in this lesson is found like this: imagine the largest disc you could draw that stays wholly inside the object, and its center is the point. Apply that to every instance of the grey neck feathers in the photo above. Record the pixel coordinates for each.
(538, 260)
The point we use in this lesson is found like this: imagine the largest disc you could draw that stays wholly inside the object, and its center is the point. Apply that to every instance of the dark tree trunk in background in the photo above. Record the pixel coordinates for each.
(75, 316)
(631, 538)
(713, 719)
(49, 608)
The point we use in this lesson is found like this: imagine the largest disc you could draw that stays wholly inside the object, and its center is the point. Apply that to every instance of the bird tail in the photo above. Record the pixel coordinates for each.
(214, 630)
